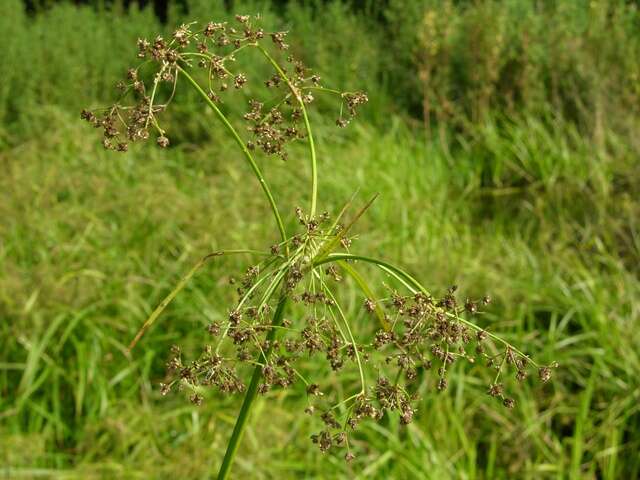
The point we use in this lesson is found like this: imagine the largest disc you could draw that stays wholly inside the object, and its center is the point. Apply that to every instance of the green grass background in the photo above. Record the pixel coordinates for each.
(502, 137)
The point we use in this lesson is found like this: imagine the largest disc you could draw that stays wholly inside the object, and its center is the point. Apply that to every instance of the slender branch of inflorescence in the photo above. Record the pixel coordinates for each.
(312, 149)
(254, 166)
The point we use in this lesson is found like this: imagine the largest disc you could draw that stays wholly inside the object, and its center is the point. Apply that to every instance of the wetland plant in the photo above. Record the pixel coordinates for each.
(288, 300)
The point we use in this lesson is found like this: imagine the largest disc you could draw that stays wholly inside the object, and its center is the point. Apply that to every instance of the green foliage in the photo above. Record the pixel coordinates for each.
(527, 190)
(459, 62)
(89, 245)
(450, 63)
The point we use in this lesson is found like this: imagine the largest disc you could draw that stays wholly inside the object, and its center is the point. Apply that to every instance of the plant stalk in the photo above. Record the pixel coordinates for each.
(243, 147)
(250, 396)
(312, 149)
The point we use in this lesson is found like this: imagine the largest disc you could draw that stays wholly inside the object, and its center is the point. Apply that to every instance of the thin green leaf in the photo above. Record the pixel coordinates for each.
(181, 284)
(361, 282)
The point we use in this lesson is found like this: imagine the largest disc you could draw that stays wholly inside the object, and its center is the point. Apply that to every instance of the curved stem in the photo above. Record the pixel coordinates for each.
(327, 90)
(353, 340)
(413, 285)
(398, 273)
(250, 396)
(312, 149)
(243, 147)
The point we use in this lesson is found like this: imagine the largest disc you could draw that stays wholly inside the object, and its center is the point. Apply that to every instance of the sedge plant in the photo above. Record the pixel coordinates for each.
(301, 272)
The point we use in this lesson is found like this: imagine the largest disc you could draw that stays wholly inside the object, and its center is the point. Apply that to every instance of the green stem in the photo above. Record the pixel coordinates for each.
(312, 149)
(250, 396)
(243, 147)
(413, 285)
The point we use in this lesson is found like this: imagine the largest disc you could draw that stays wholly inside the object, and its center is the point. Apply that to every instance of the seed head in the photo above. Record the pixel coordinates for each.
(314, 389)
(369, 305)
(163, 141)
(239, 80)
(495, 390)
(442, 384)
(544, 373)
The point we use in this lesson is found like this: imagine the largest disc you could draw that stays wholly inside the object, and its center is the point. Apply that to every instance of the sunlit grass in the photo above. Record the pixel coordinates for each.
(91, 243)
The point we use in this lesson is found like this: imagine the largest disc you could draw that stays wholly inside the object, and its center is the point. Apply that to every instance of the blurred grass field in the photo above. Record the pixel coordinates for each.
(502, 139)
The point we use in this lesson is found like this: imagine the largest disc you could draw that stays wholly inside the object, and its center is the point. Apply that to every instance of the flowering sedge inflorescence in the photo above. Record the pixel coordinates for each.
(213, 50)
(418, 336)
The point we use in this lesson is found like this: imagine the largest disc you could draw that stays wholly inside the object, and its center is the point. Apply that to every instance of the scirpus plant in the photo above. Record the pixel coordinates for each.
(416, 332)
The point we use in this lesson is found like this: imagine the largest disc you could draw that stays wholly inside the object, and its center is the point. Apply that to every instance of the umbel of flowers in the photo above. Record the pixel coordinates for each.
(418, 336)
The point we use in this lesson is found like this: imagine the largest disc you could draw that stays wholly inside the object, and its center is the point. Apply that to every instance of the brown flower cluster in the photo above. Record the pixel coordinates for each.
(420, 337)
(213, 49)
(417, 338)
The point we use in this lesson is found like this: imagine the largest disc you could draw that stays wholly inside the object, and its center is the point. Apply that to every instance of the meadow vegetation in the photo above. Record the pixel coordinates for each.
(501, 139)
